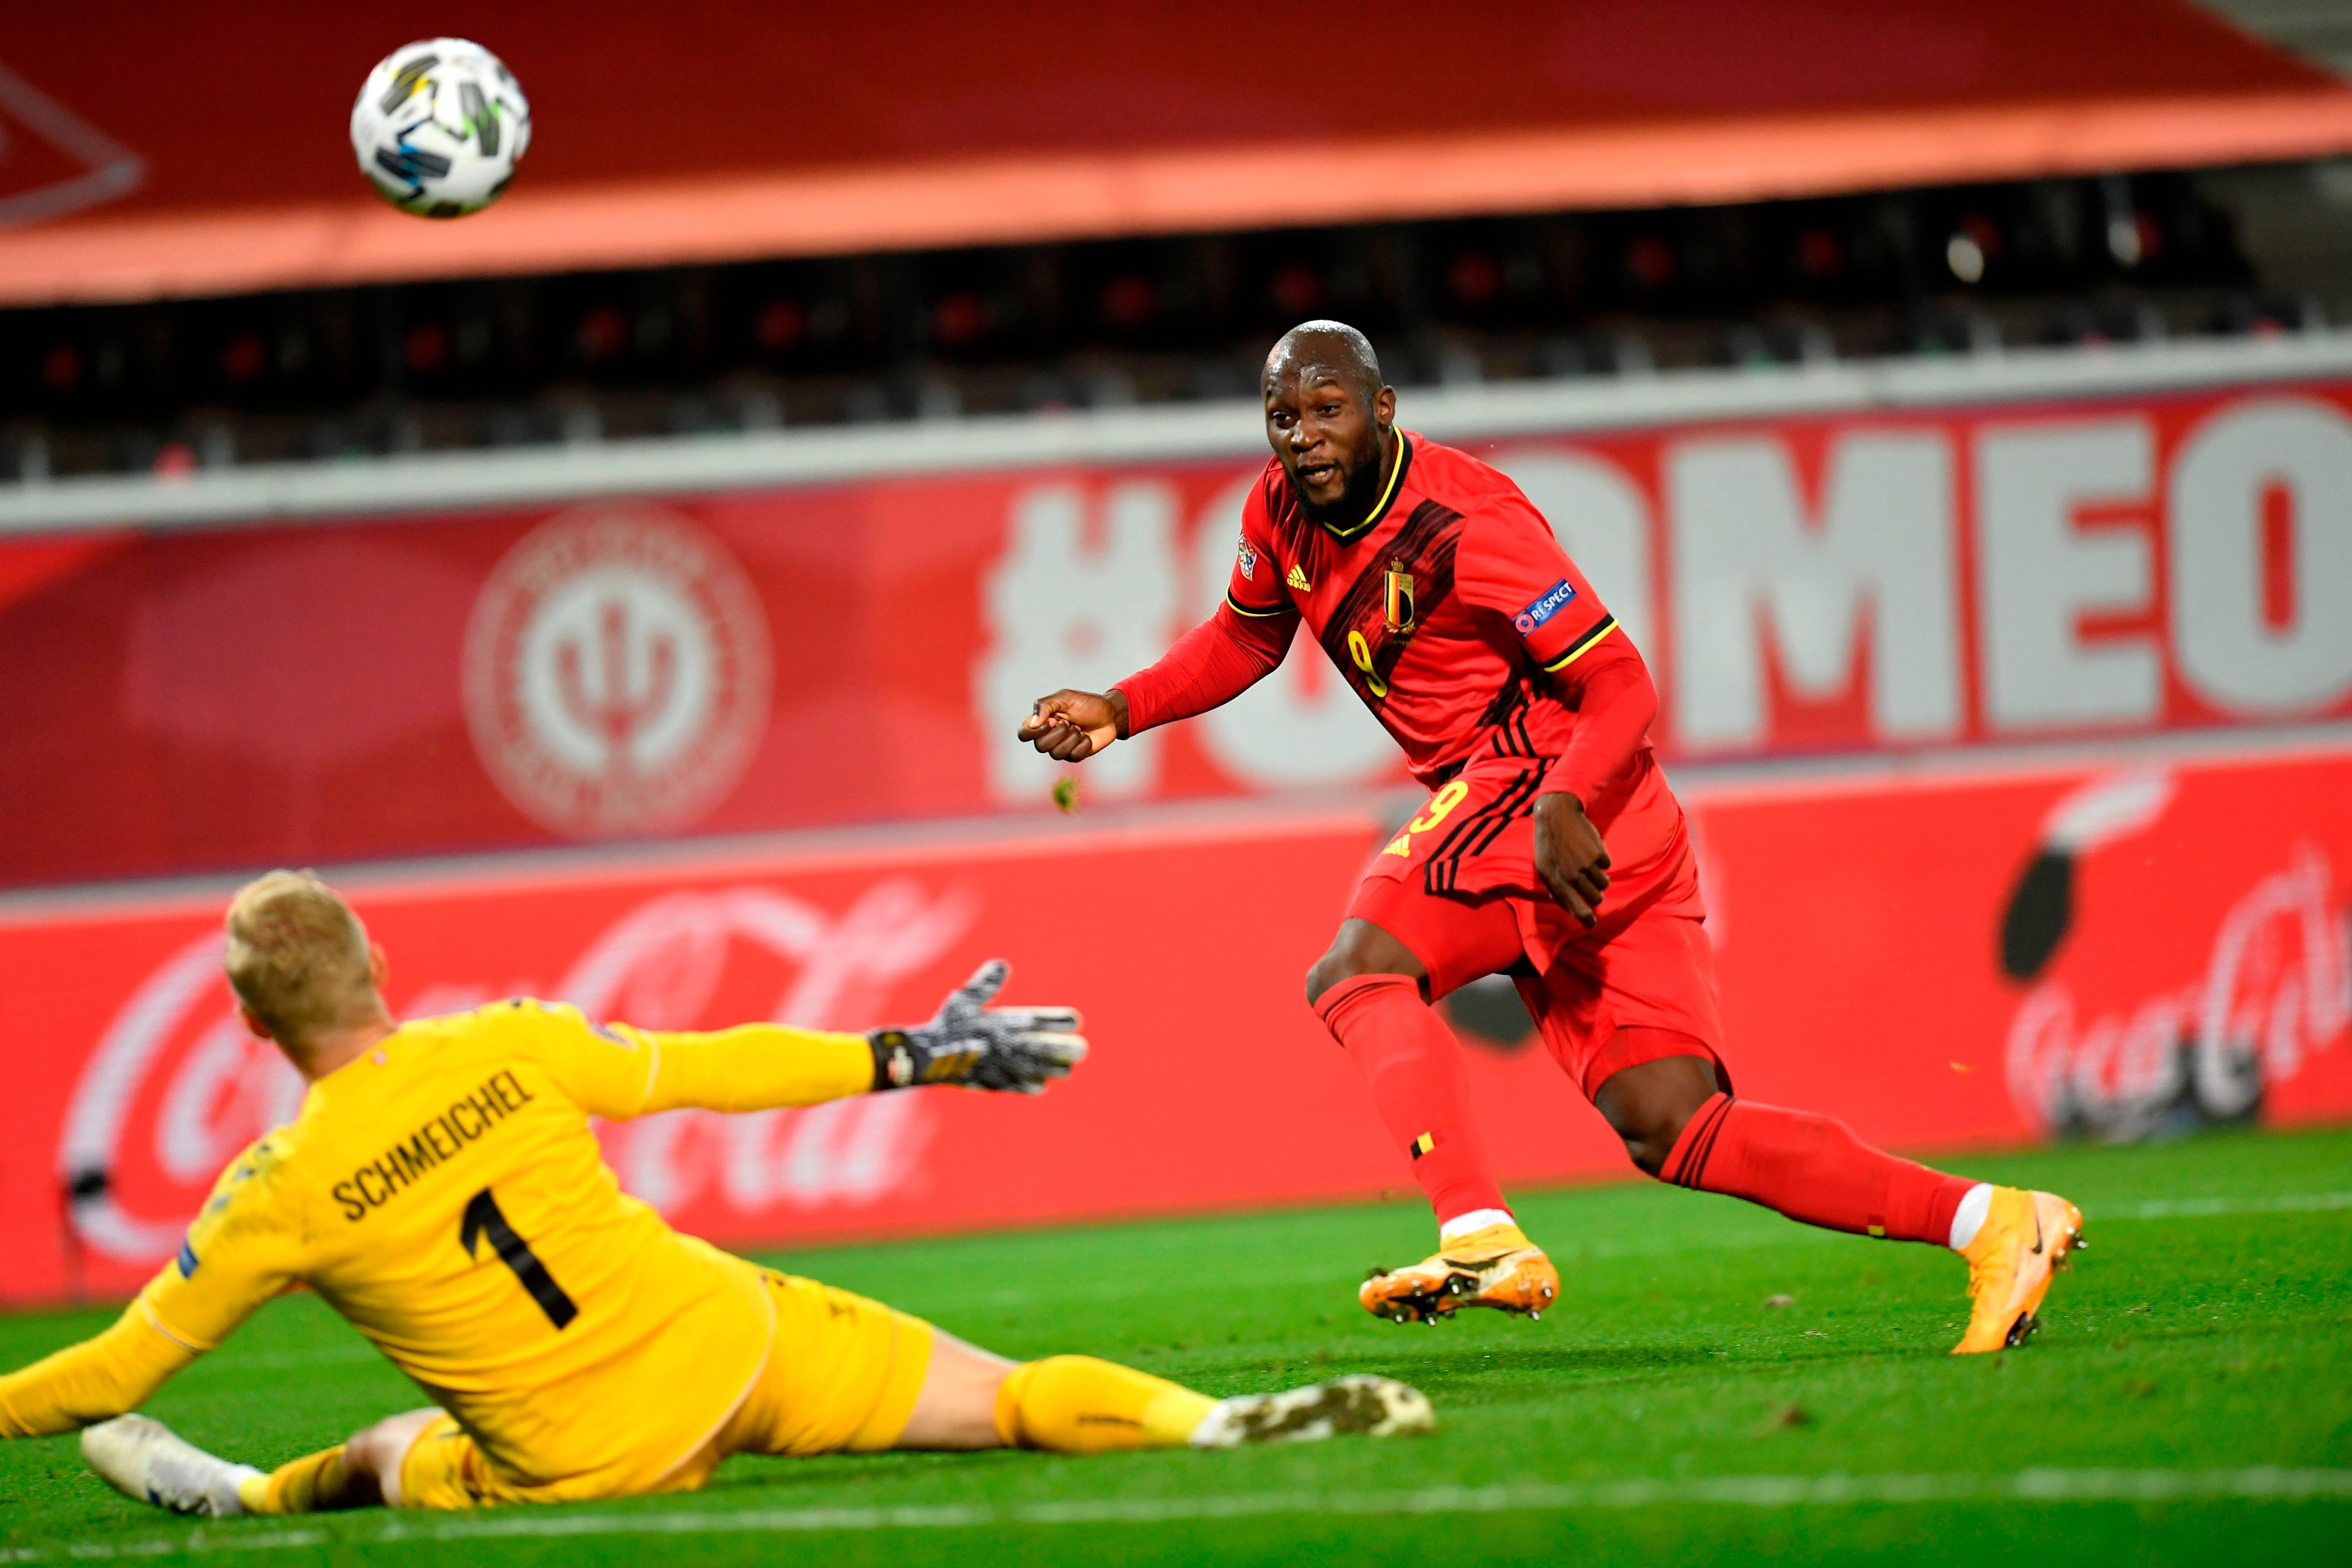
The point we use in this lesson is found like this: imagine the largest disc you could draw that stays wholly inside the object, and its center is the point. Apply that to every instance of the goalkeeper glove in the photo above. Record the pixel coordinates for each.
(980, 1047)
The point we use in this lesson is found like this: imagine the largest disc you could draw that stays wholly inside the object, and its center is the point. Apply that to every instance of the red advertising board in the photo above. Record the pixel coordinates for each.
(1862, 581)
(1965, 961)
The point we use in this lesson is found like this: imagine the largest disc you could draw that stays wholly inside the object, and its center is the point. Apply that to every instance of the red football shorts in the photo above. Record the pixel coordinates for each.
(1639, 987)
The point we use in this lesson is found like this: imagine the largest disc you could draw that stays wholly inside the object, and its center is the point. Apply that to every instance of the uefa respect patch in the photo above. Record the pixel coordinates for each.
(1543, 607)
(1246, 558)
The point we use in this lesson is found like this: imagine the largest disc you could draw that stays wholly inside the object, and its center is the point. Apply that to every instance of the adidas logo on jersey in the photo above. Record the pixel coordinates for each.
(1297, 579)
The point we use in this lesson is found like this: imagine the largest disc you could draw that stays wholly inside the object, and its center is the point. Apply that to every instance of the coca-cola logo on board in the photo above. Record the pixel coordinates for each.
(175, 1086)
(2175, 1049)
(616, 673)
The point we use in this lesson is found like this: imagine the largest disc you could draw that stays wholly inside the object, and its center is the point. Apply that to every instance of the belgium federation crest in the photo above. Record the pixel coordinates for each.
(1400, 596)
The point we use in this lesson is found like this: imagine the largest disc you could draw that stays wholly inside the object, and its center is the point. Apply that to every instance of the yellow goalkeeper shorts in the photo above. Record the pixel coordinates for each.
(840, 1379)
(842, 1376)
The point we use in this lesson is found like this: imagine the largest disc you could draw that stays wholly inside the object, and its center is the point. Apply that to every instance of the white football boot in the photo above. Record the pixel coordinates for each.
(1373, 1406)
(141, 1457)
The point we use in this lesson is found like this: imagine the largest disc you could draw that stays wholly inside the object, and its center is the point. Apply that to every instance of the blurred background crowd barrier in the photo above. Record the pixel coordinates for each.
(629, 592)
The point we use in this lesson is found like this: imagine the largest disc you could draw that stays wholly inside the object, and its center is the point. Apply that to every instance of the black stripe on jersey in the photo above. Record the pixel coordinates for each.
(1524, 805)
(1509, 698)
(1425, 543)
(1443, 872)
(1515, 726)
(1478, 829)
(1238, 608)
(1505, 722)
(1506, 716)
(1583, 646)
(1465, 825)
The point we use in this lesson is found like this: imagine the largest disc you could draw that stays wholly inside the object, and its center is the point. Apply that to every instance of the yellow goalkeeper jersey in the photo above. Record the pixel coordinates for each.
(445, 1193)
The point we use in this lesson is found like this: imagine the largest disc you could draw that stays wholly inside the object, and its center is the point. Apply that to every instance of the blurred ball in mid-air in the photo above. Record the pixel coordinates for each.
(439, 128)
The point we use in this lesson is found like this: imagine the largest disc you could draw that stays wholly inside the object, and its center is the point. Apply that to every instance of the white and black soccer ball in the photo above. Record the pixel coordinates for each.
(439, 128)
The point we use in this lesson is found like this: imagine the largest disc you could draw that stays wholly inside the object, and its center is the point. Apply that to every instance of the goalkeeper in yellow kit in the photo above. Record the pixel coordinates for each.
(443, 1191)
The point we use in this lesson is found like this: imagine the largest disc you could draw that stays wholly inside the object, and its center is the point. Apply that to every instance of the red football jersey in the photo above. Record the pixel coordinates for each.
(1457, 619)
(1442, 608)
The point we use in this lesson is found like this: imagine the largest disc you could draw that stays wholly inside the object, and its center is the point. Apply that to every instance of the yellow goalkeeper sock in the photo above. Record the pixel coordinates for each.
(314, 1483)
(1077, 1405)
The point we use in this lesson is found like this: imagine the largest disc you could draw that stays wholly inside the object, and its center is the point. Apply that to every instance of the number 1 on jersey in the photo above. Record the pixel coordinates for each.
(483, 1217)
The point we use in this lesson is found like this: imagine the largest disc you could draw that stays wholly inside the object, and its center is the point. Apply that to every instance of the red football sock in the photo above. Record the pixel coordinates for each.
(1413, 1064)
(1813, 1169)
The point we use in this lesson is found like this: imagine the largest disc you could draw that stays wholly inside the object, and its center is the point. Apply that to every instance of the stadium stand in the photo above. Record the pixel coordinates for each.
(1112, 221)
(569, 357)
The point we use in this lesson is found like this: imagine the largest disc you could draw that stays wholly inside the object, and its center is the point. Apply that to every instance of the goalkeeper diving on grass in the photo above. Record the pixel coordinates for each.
(443, 1191)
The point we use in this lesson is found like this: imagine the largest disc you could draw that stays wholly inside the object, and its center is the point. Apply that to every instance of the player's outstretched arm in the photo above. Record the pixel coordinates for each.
(245, 1247)
(102, 1377)
(1212, 663)
(763, 1066)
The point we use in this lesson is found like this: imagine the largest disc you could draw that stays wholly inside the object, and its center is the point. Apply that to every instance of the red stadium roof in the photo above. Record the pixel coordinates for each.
(200, 148)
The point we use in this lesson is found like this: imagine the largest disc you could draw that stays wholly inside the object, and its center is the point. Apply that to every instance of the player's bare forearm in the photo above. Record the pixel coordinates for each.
(104, 1376)
(1570, 855)
(1072, 726)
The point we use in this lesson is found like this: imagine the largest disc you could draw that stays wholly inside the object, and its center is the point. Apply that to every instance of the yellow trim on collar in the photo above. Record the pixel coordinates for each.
(1380, 507)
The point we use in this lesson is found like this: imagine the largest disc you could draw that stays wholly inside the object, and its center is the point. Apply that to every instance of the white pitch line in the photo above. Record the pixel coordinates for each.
(2206, 1207)
(2257, 1484)
(2254, 1484)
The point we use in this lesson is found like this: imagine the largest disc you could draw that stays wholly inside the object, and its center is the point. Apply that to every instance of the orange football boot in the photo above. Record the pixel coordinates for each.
(2026, 1238)
(1494, 1265)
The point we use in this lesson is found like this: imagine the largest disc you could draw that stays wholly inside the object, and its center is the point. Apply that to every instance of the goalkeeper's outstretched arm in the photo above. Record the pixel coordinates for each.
(763, 1066)
(250, 1244)
(102, 1377)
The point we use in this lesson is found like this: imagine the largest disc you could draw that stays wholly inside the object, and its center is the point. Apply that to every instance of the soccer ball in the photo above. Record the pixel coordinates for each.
(439, 128)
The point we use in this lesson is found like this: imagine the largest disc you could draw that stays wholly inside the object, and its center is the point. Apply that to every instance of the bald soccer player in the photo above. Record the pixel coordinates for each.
(1550, 851)
(443, 1191)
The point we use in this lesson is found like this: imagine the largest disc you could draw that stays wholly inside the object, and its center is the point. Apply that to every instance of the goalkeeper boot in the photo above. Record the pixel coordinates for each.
(1494, 1266)
(141, 1458)
(1372, 1407)
(2025, 1238)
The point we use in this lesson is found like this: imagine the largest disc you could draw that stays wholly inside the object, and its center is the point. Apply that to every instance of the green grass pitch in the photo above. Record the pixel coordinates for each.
(2189, 1399)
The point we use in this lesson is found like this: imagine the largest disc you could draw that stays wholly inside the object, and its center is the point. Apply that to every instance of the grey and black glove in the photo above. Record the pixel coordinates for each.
(980, 1047)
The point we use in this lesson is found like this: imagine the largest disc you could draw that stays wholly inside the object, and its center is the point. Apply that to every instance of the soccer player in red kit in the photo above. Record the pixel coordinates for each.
(1549, 850)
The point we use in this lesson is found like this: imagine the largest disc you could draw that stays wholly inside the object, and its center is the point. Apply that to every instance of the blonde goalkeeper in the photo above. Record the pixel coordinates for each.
(442, 1190)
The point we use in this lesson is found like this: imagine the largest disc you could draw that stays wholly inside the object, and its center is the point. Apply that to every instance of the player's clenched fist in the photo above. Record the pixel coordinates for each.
(1570, 855)
(980, 1047)
(1070, 726)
